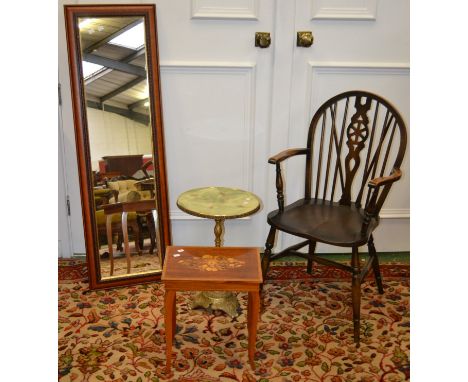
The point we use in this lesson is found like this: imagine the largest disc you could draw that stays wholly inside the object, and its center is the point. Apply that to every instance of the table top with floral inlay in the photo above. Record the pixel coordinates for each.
(213, 264)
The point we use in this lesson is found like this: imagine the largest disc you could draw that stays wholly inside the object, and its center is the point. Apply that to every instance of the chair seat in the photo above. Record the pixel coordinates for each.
(323, 221)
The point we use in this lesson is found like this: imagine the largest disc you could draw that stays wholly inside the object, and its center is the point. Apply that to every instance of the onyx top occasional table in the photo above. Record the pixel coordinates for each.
(211, 269)
(218, 203)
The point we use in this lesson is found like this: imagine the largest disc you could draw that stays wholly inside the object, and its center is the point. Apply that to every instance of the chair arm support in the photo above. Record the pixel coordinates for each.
(383, 180)
(278, 158)
(376, 201)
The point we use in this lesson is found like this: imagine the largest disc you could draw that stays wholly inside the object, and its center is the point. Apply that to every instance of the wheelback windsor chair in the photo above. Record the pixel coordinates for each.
(342, 198)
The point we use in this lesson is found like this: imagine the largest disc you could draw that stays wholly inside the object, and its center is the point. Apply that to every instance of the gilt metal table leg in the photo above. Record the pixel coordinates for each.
(218, 231)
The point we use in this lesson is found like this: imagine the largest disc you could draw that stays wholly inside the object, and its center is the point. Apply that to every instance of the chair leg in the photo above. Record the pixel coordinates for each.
(267, 252)
(375, 264)
(312, 245)
(119, 242)
(356, 292)
(136, 232)
(141, 242)
(152, 231)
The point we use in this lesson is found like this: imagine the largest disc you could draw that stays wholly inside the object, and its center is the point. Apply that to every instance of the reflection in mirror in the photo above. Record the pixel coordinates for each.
(115, 79)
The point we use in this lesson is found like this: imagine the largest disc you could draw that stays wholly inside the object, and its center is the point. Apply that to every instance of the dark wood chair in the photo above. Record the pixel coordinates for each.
(355, 147)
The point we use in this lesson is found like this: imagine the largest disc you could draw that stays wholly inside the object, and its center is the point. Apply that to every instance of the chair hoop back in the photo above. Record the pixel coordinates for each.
(353, 137)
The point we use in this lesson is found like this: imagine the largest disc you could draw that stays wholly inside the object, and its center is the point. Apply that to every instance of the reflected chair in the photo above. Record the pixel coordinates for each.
(128, 213)
(355, 146)
(117, 229)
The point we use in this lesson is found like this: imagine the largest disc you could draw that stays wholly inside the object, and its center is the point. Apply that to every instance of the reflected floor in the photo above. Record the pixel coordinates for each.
(144, 263)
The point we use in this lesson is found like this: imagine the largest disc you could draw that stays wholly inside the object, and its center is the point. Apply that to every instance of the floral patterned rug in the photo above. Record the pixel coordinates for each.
(305, 332)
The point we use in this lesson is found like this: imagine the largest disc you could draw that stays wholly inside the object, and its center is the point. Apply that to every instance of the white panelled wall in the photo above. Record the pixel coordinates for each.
(113, 134)
(228, 106)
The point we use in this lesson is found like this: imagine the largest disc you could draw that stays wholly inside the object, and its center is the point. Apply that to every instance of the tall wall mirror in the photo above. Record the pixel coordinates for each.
(114, 73)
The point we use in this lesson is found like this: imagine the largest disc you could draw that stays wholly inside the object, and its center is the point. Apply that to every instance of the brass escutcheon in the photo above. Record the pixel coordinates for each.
(262, 39)
(305, 39)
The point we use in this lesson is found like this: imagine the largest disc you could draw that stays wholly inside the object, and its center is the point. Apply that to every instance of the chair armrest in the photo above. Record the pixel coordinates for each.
(278, 158)
(383, 180)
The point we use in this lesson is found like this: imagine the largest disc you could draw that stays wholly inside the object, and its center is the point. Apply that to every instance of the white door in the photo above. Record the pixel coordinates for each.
(216, 90)
(228, 105)
(358, 45)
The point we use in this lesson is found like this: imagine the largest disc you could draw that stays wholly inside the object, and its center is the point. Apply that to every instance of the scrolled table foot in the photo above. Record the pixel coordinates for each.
(225, 301)
(201, 301)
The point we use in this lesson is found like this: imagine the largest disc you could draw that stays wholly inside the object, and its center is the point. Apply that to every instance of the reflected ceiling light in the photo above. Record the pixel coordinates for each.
(90, 68)
(145, 92)
(146, 104)
(133, 38)
(85, 23)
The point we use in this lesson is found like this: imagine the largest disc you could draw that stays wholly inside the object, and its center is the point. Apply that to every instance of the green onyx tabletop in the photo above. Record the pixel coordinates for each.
(218, 202)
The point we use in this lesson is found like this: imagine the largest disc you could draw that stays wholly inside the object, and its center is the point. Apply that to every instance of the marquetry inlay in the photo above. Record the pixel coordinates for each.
(211, 263)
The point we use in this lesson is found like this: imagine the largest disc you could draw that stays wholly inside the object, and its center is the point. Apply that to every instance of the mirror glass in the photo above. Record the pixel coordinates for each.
(115, 79)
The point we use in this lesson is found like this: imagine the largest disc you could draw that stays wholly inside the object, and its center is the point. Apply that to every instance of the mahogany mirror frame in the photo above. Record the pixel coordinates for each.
(148, 12)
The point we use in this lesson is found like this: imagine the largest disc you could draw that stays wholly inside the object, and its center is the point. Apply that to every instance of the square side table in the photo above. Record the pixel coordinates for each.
(235, 269)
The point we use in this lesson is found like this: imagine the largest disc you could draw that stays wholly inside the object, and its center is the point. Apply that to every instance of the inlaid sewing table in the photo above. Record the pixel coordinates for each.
(233, 269)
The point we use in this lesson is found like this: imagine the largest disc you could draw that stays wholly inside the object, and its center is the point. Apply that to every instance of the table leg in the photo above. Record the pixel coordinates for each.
(169, 321)
(109, 243)
(152, 230)
(136, 232)
(253, 313)
(174, 314)
(125, 235)
(249, 311)
(218, 231)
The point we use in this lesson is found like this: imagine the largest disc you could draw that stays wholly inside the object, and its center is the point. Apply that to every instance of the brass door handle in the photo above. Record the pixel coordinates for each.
(262, 39)
(305, 39)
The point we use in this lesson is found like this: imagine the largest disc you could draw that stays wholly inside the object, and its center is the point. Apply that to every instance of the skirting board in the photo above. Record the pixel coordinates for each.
(80, 256)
